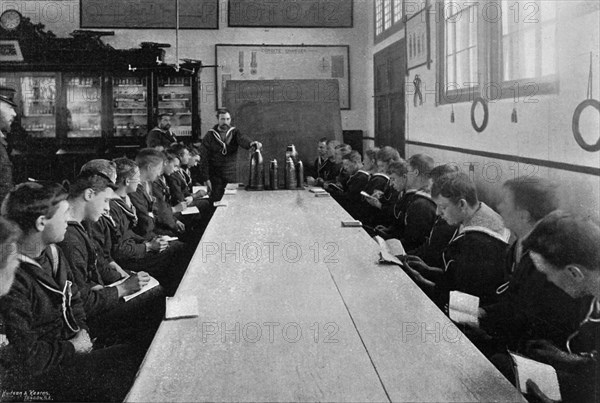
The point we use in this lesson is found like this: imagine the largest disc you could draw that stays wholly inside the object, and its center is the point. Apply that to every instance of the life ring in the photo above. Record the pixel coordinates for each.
(575, 125)
(483, 102)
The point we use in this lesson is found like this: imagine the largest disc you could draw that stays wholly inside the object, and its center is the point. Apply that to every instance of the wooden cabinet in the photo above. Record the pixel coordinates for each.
(79, 98)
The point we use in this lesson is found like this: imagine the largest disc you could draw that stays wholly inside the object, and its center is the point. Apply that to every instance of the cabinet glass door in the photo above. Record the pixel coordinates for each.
(130, 108)
(84, 106)
(175, 97)
(37, 101)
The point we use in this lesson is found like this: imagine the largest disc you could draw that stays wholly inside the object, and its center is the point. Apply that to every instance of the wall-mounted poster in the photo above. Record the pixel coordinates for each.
(156, 14)
(285, 13)
(417, 40)
(283, 62)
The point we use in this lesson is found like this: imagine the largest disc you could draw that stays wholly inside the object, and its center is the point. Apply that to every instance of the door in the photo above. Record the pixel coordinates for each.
(390, 70)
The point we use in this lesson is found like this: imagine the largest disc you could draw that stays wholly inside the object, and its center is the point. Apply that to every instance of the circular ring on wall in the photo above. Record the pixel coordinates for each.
(483, 102)
(575, 125)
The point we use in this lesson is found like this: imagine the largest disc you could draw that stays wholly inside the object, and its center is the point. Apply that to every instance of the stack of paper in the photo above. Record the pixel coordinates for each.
(196, 189)
(230, 191)
(317, 190)
(220, 203)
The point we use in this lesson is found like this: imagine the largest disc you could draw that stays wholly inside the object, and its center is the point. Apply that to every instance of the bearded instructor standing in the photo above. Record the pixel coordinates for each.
(218, 154)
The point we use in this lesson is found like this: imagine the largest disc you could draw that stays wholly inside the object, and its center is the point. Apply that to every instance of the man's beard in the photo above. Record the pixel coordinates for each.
(224, 126)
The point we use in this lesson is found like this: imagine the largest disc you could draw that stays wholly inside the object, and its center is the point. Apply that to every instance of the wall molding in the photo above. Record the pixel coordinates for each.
(512, 158)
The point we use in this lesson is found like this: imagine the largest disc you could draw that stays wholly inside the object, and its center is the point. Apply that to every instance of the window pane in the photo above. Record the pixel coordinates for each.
(450, 38)
(378, 17)
(451, 74)
(397, 11)
(548, 43)
(529, 54)
(387, 14)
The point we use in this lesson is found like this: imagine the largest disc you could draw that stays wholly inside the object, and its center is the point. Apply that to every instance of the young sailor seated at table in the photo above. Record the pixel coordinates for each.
(414, 211)
(370, 161)
(474, 258)
(349, 197)
(528, 304)
(379, 208)
(180, 181)
(166, 260)
(108, 315)
(165, 212)
(322, 164)
(9, 235)
(564, 248)
(151, 165)
(332, 169)
(441, 232)
(50, 349)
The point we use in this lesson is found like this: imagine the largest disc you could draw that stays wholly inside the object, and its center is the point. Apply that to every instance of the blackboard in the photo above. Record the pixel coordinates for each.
(284, 13)
(157, 14)
(266, 111)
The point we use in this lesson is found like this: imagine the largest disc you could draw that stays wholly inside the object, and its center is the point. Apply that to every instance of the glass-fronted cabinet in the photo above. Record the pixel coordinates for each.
(38, 104)
(130, 106)
(83, 105)
(175, 97)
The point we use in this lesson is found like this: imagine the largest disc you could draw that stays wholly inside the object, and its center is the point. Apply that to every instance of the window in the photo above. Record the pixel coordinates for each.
(462, 63)
(528, 39)
(388, 18)
(498, 49)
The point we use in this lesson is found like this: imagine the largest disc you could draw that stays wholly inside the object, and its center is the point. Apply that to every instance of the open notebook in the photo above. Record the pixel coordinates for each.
(389, 250)
(542, 374)
(150, 285)
(464, 308)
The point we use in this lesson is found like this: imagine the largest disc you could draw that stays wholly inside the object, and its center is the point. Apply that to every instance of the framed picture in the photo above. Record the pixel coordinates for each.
(285, 13)
(156, 14)
(418, 52)
(10, 51)
(283, 62)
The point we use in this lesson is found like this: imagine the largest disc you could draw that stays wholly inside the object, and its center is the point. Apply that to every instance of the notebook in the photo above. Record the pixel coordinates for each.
(150, 285)
(230, 191)
(464, 308)
(181, 307)
(389, 250)
(542, 374)
(190, 210)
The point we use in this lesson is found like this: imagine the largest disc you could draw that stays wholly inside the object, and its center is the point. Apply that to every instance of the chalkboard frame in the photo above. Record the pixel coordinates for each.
(287, 63)
(292, 24)
(86, 22)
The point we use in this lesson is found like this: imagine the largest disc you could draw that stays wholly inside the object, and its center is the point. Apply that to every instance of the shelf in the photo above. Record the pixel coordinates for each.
(129, 100)
(130, 114)
(38, 115)
(174, 100)
(97, 114)
(137, 109)
(174, 85)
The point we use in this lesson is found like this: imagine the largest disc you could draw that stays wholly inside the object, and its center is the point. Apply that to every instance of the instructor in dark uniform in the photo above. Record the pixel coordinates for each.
(219, 152)
(161, 137)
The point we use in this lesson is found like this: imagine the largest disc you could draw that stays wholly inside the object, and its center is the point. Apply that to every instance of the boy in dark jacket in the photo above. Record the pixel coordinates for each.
(164, 260)
(108, 315)
(50, 348)
(415, 211)
(474, 258)
(349, 198)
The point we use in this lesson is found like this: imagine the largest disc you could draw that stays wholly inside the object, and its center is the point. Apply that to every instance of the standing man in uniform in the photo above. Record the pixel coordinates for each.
(161, 137)
(7, 115)
(219, 152)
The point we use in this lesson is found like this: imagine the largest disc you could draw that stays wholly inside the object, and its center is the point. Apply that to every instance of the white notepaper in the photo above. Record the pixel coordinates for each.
(190, 210)
(181, 307)
(464, 308)
(542, 374)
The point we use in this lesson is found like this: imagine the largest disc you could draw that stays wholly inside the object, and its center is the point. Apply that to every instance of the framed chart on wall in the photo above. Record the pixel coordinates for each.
(418, 48)
(283, 62)
(156, 14)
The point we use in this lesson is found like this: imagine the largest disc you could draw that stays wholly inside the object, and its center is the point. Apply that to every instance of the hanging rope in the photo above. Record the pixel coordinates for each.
(579, 110)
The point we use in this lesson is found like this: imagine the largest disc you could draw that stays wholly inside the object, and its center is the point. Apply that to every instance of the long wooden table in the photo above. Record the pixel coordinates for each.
(295, 307)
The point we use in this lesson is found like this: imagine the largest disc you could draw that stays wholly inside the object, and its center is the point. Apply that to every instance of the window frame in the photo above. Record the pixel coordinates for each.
(396, 25)
(491, 85)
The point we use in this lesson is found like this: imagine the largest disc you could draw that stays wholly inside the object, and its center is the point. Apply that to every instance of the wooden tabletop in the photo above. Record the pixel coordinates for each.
(293, 307)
